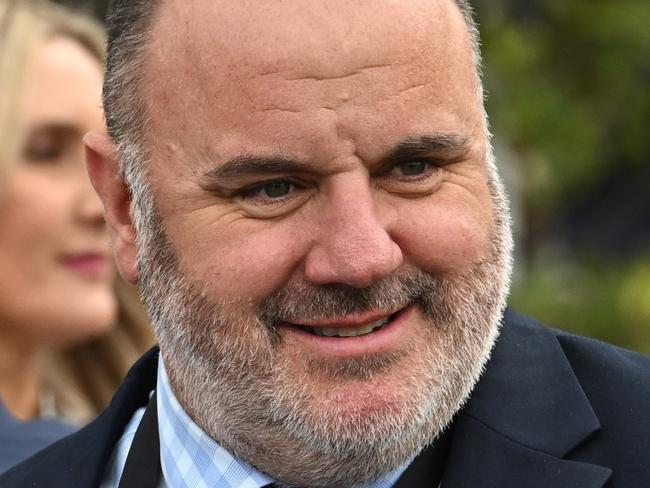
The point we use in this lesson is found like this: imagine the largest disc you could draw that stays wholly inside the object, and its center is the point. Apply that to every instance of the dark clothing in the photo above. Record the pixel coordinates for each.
(19, 440)
(551, 411)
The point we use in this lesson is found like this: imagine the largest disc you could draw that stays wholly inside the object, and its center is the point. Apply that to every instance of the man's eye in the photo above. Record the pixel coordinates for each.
(273, 198)
(412, 168)
(411, 178)
(276, 189)
(272, 190)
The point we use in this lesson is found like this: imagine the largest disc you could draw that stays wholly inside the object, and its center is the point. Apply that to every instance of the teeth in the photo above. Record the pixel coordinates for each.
(348, 331)
(364, 330)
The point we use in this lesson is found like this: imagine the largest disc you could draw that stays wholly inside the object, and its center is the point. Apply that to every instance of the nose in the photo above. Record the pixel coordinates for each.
(353, 247)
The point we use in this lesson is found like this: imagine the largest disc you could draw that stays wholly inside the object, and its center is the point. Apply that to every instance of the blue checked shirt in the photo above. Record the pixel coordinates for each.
(190, 458)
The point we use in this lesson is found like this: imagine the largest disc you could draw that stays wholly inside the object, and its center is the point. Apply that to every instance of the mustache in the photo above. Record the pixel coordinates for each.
(299, 300)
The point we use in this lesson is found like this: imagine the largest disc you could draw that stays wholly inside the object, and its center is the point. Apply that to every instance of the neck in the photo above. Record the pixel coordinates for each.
(19, 378)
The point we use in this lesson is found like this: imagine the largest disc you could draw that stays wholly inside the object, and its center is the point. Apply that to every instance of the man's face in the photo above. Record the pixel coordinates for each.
(332, 268)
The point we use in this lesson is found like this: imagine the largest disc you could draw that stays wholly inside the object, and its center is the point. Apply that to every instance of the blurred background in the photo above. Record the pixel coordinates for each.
(569, 100)
(568, 94)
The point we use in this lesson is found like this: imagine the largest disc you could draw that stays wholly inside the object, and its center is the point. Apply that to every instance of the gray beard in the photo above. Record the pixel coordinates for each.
(225, 368)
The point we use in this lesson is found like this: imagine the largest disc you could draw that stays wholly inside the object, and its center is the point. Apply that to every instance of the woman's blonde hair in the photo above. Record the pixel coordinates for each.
(80, 380)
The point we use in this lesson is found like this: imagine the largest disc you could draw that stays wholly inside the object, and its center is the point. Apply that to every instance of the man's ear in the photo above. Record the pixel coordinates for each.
(103, 162)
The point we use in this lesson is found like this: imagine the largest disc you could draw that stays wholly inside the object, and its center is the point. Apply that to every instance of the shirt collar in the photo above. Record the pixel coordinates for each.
(190, 457)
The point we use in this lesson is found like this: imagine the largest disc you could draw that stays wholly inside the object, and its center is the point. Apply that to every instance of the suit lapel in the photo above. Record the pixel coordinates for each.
(527, 413)
(483, 458)
(427, 468)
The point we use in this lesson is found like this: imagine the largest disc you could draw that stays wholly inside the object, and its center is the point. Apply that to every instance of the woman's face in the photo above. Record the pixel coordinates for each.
(55, 266)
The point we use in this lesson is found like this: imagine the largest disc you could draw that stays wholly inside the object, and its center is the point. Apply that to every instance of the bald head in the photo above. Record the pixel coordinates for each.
(130, 31)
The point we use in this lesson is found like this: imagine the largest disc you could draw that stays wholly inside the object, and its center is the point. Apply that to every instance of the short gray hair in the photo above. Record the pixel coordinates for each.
(129, 26)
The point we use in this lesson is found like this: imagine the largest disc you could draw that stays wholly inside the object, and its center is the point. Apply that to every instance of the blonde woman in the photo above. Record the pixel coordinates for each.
(61, 355)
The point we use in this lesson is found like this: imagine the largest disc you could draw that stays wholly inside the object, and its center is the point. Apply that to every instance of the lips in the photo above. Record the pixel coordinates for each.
(90, 264)
(361, 335)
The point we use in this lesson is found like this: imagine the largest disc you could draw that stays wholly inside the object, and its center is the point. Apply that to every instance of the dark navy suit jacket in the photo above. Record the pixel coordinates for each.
(552, 410)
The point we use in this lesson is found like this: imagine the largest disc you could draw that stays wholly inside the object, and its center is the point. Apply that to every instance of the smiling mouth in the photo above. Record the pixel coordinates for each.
(362, 330)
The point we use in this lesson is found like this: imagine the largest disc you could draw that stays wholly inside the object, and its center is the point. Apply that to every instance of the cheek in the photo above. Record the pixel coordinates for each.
(30, 225)
(246, 260)
(445, 235)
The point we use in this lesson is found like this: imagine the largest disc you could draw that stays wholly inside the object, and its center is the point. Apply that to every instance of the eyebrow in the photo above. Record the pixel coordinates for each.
(249, 165)
(444, 144)
(256, 165)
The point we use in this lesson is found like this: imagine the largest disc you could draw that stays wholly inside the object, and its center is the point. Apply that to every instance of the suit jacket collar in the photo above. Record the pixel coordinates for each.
(527, 412)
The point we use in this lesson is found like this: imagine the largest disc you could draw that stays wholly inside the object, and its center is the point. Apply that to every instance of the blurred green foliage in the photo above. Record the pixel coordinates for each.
(568, 92)
(609, 301)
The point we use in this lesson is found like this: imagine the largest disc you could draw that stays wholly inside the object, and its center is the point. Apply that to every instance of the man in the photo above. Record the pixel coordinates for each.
(305, 194)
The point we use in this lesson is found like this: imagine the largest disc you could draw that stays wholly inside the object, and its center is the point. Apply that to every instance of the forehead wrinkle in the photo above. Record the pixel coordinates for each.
(366, 85)
(292, 75)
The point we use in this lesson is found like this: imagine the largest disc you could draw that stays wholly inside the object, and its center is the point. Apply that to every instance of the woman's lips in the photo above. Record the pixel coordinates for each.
(89, 264)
